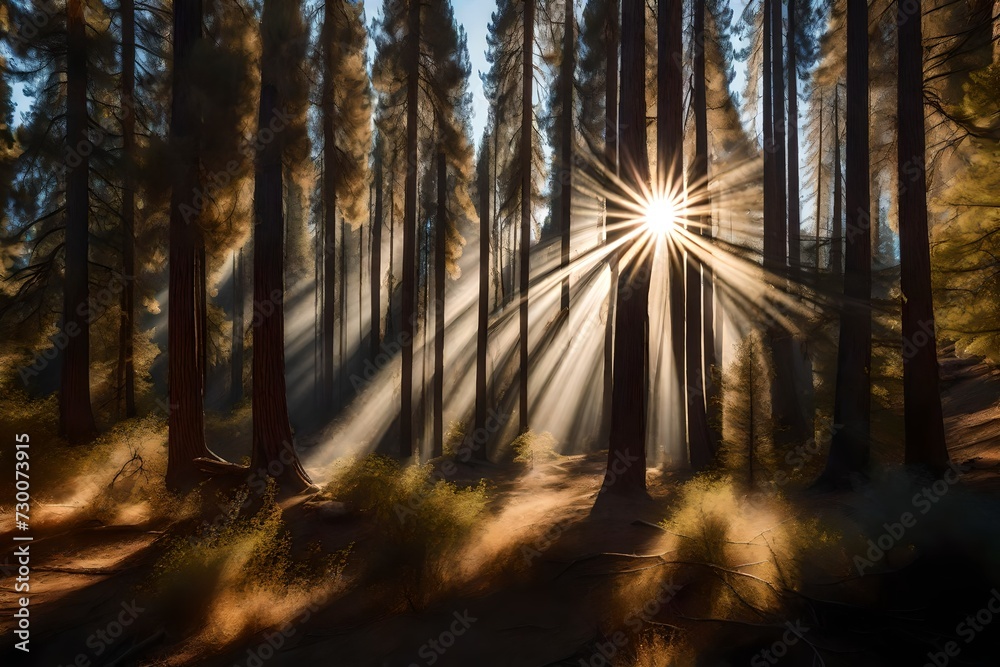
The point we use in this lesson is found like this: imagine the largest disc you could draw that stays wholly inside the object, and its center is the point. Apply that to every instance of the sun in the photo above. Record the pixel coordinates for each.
(661, 215)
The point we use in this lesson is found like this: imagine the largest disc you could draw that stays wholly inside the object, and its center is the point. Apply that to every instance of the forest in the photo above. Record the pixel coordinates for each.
(514, 333)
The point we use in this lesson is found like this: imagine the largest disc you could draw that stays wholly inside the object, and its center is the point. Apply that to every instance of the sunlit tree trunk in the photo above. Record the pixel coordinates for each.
(849, 450)
(527, 128)
(76, 416)
(409, 232)
(626, 470)
(925, 440)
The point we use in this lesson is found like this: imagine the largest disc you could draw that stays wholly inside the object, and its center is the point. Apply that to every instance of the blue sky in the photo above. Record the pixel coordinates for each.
(474, 15)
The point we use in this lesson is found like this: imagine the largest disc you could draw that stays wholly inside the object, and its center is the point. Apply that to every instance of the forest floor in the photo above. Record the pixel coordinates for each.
(543, 579)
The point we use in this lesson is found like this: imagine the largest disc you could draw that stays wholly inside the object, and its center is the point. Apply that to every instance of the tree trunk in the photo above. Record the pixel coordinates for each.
(837, 231)
(713, 405)
(202, 295)
(794, 209)
(567, 75)
(273, 448)
(440, 238)
(780, 220)
(128, 205)
(342, 324)
(76, 416)
(500, 289)
(409, 231)
(236, 369)
(670, 161)
(819, 184)
(626, 470)
(482, 331)
(849, 450)
(329, 191)
(700, 437)
(186, 414)
(771, 239)
(376, 253)
(925, 440)
(611, 162)
(527, 127)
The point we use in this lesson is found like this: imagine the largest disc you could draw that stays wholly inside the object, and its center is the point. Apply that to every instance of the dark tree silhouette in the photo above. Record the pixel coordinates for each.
(184, 336)
(924, 424)
(626, 471)
(483, 321)
(849, 449)
(700, 437)
(527, 129)
(670, 158)
(376, 254)
(409, 232)
(76, 417)
(273, 447)
(127, 327)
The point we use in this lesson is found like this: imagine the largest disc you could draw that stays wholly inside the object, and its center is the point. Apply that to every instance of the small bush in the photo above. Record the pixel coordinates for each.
(421, 517)
(531, 448)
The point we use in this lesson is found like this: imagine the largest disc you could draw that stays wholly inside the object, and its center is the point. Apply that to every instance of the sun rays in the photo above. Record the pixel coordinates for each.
(617, 221)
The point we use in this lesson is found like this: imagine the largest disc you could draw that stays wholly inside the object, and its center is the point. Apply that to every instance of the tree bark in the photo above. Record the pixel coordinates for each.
(186, 409)
(76, 416)
(409, 231)
(376, 253)
(700, 437)
(780, 219)
(329, 190)
(440, 239)
(527, 127)
(482, 331)
(849, 450)
(567, 74)
(794, 209)
(236, 369)
(670, 160)
(819, 184)
(273, 448)
(626, 470)
(128, 205)
(923, 420)
(837, 230)
(611, 162)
